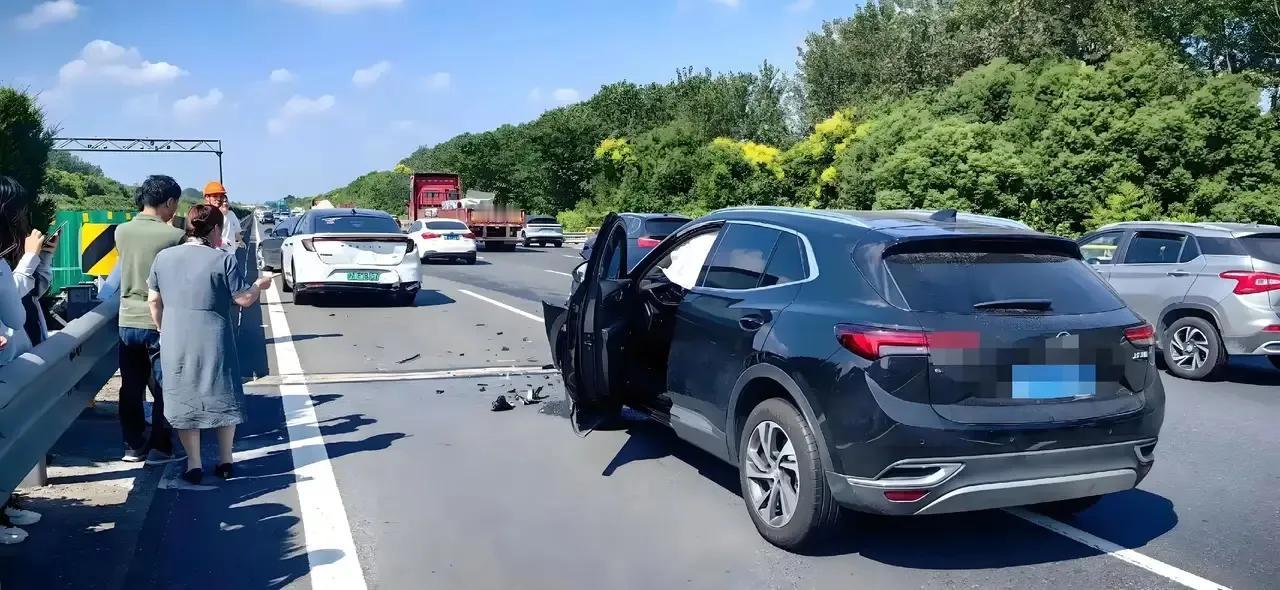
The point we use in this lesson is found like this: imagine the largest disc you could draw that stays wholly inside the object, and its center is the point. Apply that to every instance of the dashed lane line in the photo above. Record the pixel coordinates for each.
(571, 256)
(331, 552)
(502, 305)
(556, 272)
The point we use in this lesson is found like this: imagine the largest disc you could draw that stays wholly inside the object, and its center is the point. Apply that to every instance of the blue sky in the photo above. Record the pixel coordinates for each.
(308, 94)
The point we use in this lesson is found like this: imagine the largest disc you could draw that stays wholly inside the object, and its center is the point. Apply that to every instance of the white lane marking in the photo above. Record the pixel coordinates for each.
(481, 258)
(570, 256)
(502, 305)
(327, 378)
(558, 272)
(1130, 556)
(331, 552)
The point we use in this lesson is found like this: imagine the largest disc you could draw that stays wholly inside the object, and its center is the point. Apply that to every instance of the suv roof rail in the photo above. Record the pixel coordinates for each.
(1195, 224)
(965, 216)
(815, 213)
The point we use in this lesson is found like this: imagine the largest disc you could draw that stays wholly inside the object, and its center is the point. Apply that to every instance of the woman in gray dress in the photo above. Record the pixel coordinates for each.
(192, 289)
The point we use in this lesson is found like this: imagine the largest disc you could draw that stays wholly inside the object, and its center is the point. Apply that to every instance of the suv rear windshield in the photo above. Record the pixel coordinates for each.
(1263, 247)
(662, 227)
(542, 221)
(954, 282)
(333, 224)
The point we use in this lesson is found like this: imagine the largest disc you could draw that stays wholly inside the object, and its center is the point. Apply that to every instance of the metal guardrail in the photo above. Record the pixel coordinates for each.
(43, 391)
(572, 237)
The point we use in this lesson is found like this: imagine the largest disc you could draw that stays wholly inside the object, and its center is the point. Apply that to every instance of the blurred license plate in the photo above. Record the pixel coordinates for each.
(1054, 381)
(451, 236)
(362, 276)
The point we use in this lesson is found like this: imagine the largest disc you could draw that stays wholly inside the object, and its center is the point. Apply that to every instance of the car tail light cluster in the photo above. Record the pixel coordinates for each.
(872, 342)
(1140, 335)
(1249, 282)
(426, 235)
(469, 236)
(648, 242)
(308, 245)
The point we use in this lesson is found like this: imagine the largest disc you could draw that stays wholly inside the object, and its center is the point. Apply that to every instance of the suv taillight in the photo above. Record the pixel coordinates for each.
(1249, 282)
(647, 242)
(871, 342)
(1141, 335)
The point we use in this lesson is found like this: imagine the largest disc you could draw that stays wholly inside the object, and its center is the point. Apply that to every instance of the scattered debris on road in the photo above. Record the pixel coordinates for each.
(405, 360)
(439, 391)
(501, 404)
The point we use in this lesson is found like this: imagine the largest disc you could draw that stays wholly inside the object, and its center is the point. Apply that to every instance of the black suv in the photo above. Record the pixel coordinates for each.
(892, 362)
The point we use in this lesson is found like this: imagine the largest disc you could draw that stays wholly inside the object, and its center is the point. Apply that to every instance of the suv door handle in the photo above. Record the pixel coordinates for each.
(751, 323)
(1179, 273)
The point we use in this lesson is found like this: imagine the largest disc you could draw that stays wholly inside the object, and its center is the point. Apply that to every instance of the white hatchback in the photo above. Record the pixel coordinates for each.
(350, 251)
(443, 239)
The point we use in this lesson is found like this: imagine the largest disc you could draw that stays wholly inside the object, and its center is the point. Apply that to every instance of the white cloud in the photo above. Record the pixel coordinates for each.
(344, 6)
(143, 105)
(439, 81)
(366, 77)
(297, 107)
(731, 3)
(48, 13)
(800, 5)
(106, 61)
(565, 95)
(194, 106)
(282, 76)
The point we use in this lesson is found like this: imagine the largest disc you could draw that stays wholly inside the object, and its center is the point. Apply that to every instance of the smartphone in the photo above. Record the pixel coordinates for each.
(53, 235)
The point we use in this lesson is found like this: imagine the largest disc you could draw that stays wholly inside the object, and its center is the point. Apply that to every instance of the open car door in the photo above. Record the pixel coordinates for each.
(594, 326)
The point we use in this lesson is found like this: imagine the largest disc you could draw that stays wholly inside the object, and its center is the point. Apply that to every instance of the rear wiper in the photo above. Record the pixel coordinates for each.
(1029, 304)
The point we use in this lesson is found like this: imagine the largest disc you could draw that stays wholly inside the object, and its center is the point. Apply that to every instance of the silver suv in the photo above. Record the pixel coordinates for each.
(1210, 289)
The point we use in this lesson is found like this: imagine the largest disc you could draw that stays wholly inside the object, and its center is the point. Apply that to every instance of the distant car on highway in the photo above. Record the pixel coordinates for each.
(542, 230)
(890, 362)
(269, 257)
(443, 239)
(1212, 290)
(644, 232)
(356, 251)
(267, 217)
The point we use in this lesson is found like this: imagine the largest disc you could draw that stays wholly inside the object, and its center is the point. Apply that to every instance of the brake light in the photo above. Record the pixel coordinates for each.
(306, 244)
(647, 242)
(429, 236)
(1249, 282)
(1272, 328)
(905, 495)
(871, 342)
(469, 236)
(1142, 335)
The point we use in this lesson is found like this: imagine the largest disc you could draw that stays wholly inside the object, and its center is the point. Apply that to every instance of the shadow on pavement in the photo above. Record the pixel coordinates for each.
(975, 540)
(301, 337)
(425, 298)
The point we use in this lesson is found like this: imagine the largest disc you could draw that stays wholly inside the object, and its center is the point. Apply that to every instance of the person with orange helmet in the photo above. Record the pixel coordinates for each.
(215, 194)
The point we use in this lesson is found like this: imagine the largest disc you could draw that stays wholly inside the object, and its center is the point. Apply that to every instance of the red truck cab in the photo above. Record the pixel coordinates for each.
(429, 190)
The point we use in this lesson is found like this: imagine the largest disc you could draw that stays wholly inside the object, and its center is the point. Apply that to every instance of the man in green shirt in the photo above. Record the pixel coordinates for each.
(138, 242)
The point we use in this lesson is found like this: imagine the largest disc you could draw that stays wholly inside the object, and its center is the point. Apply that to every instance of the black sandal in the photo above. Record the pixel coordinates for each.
(193, 476)
(223, 470)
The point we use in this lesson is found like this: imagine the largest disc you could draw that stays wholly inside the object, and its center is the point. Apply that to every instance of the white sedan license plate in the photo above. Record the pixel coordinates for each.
(371, 277)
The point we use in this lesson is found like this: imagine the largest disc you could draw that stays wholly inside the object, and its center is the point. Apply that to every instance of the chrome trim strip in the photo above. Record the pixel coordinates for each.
(812, 260)
(945, 472)
(997, 490)
(935, 460)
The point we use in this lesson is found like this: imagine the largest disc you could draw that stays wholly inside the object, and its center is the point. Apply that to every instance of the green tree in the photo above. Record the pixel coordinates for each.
(24, 150)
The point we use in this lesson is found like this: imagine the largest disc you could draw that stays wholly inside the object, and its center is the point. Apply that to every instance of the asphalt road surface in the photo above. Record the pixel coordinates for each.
(366, 463)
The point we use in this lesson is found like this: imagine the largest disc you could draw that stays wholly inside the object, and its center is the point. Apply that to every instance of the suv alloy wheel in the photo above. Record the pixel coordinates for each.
(783, 481)
(1193, 349)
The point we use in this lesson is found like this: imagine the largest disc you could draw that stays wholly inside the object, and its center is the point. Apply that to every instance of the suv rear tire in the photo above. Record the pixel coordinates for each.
(814, 512)
(1188, 333)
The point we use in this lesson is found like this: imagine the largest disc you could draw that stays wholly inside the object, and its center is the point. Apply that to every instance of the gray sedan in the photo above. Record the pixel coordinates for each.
(269, 257)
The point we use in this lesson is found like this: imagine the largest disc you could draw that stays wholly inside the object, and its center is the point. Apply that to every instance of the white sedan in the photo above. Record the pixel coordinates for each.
(350, 251)
(443, 239)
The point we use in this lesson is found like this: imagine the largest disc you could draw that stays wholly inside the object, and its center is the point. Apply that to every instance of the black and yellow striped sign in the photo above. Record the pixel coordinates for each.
(98, 254)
